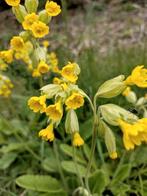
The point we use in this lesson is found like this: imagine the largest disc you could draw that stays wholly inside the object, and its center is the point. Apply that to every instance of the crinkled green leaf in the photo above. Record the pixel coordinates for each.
(7, 159)
(39, 183)
(70, 167)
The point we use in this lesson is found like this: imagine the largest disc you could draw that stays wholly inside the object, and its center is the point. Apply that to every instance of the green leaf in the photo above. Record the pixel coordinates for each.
(50, 165)
(70, 167)
(68, 150)
(86, 129)
(16, 147)
(122, 174)
(120, 189)
(39, 183)
(98, 181)
(7, 159)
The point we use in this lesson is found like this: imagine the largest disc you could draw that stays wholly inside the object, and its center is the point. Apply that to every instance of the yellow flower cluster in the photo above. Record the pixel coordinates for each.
(26, 46)
(65, 93)
(5, 86)
(135, 133)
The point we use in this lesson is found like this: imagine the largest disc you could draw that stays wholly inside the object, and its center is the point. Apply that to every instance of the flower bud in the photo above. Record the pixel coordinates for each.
(19, 12)
(131, 98)
(141, 101)
(71, 122)
(81, 192)
(145, 114)
(25, 35)
(110, 142)
(44, 17)
(112, 88)
(40, 53)
(111, 113)
(51, 90)
(31, 5)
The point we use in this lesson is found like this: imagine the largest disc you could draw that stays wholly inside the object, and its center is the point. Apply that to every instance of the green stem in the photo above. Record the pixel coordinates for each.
(99, 148)
(59, 165)
(93, 145)
(76, 166)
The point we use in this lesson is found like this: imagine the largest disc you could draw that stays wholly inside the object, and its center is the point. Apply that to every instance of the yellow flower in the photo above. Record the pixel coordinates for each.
(13, 2)
(47, 133)
(39, 29)
(52, 8)
(133, 134)
(138, 77)
(17, 43)
(77, 140)
(75, 101)
(126, 91)
(36, 73)
(37, 104)
(45, 43)
(55, 111)
(69, 72)
(29, 20)
(3, 66)
(7, 55)
(5, 86)
(113, 155)
(57, 80)
(43, 67)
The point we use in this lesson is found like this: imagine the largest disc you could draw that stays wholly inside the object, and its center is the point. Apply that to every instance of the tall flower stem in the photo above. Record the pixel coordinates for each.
(59, 165)
(76, 167)
(93, 144)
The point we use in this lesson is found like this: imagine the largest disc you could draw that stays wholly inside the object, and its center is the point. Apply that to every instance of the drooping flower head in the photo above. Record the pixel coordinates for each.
(70, 72)
(17, 43)
(37, 104)
(13, 2)
(43, 67)
(77, 140)
(138, 77)
(47, 133)
(29, 20)
(7, 55)
(52, 8)
(39, 29)
(55, 111)
(133, 134)
(76, 100)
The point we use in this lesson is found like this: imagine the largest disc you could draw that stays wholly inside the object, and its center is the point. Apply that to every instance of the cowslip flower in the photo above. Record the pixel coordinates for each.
(13, 2)
(47, 133)
(55, 111)
(5, 86)
(133, 134)
(138, 77)
(113, 155)
(17, 43)
(36, 73)
(52, 8)
(77, 140)
(39, 29)
(43, 67)
(7, 55)
(37, 104)
(70, 72)
(29, 20)
(76, 100)
(45, 43)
